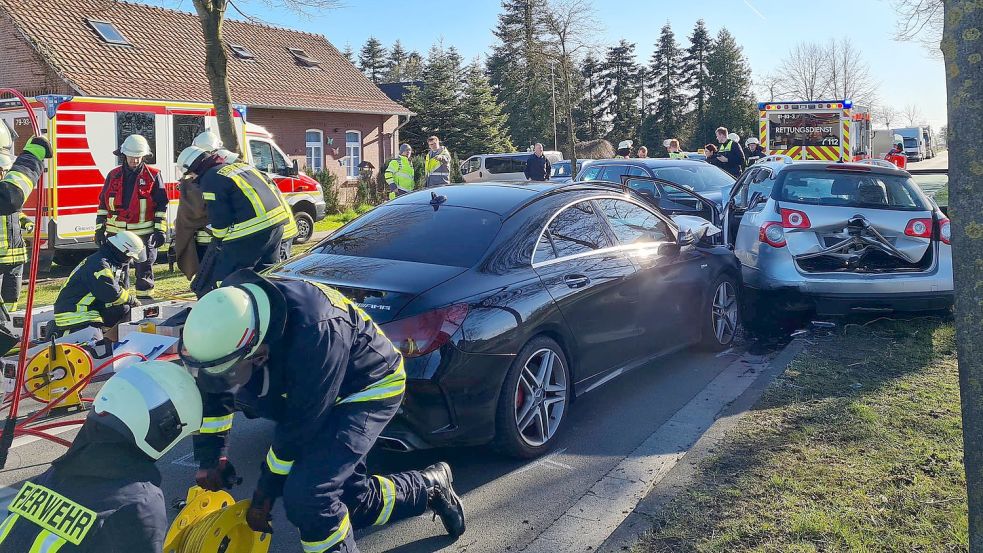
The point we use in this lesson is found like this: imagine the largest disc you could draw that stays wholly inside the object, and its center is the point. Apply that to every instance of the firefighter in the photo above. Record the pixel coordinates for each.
(19, 176)
(675, 152)
(302, 354)
(96, 293)
(436, 164)
(754, 151)
(103, 495)
(624, 149)
(246, 213)
(399, 173)
(730, 155)
(133, 198)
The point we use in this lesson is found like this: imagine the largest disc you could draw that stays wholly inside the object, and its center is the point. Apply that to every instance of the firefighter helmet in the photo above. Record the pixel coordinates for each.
(135, 145)
(155, 402)
(190, 157)
(6, 147)
(207, 141)
(130, 245)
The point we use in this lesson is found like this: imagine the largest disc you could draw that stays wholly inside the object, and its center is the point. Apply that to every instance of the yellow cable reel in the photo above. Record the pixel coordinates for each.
(55, 369)
(212, 522)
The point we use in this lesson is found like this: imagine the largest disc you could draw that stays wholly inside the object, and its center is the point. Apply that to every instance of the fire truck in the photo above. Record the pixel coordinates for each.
(828, 130)
(85, 131)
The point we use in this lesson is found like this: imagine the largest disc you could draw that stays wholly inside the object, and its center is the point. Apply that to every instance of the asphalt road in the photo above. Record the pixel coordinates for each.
(508, 502)
(940, 161)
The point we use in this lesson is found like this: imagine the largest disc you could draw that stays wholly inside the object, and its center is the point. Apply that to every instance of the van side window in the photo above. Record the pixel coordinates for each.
(591, 173)
(471, 165)
(136, 122)
(186, 128)
(262, 154)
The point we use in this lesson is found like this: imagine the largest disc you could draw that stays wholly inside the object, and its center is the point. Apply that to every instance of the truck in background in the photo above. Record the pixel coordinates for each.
(915, 146)
(882, 142)
(931, 148)
(84, 133)
(827, 130)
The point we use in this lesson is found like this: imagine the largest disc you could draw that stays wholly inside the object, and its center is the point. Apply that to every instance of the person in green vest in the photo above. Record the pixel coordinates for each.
(675, 152)
(436, 164)
(399, 173)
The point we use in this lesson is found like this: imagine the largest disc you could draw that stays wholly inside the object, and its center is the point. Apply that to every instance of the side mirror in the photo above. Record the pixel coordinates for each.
(296, 169)
(685, 238)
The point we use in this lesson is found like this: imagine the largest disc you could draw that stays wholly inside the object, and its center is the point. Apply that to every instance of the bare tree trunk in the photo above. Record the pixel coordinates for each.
(211, 14)
(571, 129)
(961, 45)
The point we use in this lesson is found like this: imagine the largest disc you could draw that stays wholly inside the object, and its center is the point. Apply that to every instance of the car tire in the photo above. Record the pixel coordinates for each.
(722, 319)
(535, 396)
(305, 227)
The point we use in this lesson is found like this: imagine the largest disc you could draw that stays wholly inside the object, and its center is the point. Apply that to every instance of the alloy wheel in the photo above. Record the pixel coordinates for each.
(724, 313)
(540, 397)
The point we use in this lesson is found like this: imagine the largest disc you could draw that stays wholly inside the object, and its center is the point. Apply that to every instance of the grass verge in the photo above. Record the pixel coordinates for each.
(331, 222)
(858, 447)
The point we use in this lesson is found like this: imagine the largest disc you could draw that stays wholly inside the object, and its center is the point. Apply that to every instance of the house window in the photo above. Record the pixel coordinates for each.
(241, 51)
(315, 150)
(301, 57)
(353, 152)
(108, 32)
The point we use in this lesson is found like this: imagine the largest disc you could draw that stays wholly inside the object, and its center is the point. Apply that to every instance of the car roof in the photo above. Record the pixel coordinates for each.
(648, 162)
(780, 166)
(501, 198)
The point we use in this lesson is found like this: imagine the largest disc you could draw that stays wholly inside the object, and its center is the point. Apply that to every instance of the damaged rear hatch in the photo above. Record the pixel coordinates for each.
(856, 219)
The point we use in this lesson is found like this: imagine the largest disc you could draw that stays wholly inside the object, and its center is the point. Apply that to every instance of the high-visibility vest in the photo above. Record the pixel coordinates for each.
(267, 209)
(436, 167)
(677, 155)
(290, 230)
(400, 172)
(725, 148)
(138, 216)
(13, 250)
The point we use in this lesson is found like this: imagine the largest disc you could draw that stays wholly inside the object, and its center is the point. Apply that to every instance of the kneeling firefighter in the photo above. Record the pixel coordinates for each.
(96, 293)
(103, 495)
(302, 354)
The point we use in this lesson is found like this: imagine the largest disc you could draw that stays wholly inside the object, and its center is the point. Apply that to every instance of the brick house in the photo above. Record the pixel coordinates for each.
(321, 110)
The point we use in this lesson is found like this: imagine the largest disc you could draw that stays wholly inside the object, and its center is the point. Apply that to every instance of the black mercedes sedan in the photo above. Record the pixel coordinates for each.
(510, 300)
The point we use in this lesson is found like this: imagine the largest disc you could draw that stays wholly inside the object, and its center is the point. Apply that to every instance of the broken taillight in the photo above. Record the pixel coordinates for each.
(945, 231)
(425, 333)
(773, 234)
(919, 228)
(793, 218)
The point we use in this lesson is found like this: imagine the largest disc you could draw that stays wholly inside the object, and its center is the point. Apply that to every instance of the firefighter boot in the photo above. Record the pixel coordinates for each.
(443, 500)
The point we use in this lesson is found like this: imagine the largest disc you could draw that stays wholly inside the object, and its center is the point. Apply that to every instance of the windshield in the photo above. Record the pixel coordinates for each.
(867, 190)
(698, 177)
(910, 143)
(451, 236)
(561, 169)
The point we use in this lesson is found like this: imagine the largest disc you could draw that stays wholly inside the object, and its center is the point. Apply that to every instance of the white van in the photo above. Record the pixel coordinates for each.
(500, 167)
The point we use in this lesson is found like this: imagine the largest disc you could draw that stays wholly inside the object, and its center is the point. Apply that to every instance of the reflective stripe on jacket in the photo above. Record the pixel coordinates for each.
(399, 172)
(147, 207)
(241, 201)
(91, 287)
(437, 167)
(677, 155)
(19, 181)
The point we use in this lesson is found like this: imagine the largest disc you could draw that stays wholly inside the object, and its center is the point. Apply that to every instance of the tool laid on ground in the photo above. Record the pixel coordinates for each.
(213, 522)
(56, 369)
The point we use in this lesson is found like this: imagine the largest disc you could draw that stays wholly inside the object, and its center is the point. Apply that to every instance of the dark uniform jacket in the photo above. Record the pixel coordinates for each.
(92, 286)
(12, 196)
(106, 474)
(329, 351)
(538, 168)
(754, 156)
(735, 158)
(230, 212)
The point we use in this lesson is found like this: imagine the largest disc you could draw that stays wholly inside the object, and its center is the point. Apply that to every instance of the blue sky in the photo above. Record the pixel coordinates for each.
(906, 72)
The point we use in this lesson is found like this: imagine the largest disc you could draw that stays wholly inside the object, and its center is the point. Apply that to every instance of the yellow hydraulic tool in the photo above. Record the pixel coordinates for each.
(212, 522)
(55, 369)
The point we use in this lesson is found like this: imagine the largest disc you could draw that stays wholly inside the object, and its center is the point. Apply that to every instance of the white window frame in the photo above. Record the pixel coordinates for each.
(315, 163)
(351, 160)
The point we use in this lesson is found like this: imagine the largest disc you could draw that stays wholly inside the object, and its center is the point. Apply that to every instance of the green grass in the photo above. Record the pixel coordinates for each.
(858, 447)
(332, 222)
(942, 196)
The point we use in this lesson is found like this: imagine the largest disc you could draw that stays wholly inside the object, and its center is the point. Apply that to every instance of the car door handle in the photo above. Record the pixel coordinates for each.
(576, 281)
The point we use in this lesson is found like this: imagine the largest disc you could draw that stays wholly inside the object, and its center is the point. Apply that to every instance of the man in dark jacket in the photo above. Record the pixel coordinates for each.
(730, 155)
(538, 168)
(303, 355)
(103, 495)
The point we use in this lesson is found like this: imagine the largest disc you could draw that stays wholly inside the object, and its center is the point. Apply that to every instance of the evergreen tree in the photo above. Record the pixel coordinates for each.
(665, 78)
(436, 104)
(621, 90)
(481, 114)
(519, 73)
(348, 53)
(372, 59)
(413, 70)
(397, 63)
(590, 113)
(730, 101)
(697, 80)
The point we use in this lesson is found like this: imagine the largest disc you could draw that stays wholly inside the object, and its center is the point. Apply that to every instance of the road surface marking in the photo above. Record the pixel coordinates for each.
(547, 460)
(186, 460)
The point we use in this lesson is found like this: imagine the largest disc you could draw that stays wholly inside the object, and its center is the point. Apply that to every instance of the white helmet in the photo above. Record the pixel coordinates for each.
(207, 141)
(189, 156)
(156, 403)
(226, 156)
(625, 144)
(734, 136)
(6, 147)
(135, 145)
(130, 245)
(751, 140)
(228, 325)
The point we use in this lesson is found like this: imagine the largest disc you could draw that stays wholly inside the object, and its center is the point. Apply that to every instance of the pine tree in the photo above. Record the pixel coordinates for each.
(413, 70)
(590, 113)
(519, 72)
(665, 79)
(397, 63)
(348, 53)
(620, 90)
(697, 79)
(372, 59)
(730, 101)
(481, 114)
(436, 103)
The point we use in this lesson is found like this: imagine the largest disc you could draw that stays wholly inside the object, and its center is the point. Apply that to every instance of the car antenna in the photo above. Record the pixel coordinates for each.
(436, 200)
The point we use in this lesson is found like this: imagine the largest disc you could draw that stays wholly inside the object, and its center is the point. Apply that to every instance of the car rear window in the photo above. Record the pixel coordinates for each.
(695, 176)
(849, 189)
(452, 236)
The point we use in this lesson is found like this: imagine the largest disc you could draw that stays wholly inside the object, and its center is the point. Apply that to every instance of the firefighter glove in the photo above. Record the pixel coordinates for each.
(28, 226)
(39, 147)
(100, 235)
(156, 239)
(222, 475)
(133, 302)
(260, 514)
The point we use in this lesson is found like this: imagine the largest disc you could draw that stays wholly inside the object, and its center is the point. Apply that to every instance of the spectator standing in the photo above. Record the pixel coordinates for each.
(729, 154)
(437, 164)
(537, 166)
(675, 152)
(711, 153)
(643, 152)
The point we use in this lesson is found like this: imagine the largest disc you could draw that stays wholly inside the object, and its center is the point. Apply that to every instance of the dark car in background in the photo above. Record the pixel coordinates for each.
(508, 301)
(706, 180)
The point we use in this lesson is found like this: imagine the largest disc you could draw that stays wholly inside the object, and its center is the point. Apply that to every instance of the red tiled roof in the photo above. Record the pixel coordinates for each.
(167, 58)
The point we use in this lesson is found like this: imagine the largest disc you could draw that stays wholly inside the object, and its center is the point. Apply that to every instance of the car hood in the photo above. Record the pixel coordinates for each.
(382, 287)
